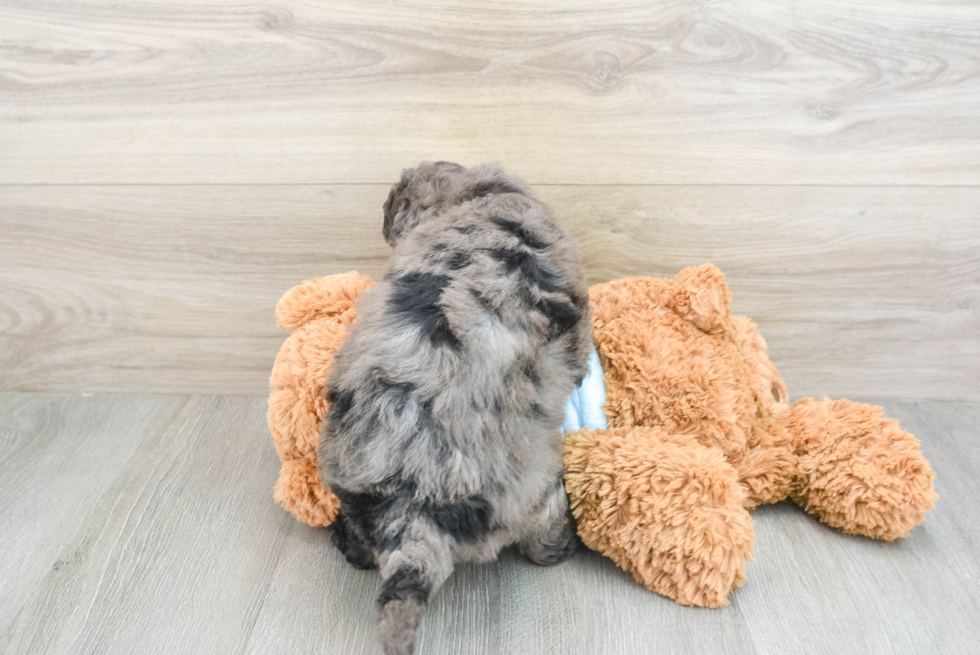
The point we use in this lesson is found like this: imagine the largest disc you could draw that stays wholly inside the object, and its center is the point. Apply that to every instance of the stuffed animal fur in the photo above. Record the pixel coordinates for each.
(700, 432)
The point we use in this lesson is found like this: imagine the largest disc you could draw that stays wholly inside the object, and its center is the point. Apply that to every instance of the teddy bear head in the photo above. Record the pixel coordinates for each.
(675, 358)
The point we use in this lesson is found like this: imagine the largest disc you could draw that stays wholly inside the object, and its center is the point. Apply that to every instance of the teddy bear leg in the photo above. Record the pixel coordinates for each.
(553, 538)
(352, 546)
(859, 472)
(663, 507)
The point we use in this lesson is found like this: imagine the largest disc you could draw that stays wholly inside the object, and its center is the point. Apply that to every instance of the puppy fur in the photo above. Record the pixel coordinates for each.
(442, 439)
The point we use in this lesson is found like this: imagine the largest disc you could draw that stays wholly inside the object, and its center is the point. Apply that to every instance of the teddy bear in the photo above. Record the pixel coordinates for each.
(698, 431)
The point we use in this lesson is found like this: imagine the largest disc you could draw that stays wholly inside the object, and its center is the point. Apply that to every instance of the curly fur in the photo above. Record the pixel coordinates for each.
(445, 398)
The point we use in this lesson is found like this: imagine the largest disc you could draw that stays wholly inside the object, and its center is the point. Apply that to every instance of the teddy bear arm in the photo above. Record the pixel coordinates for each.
(663, 507)
(767, 473)
(329, 296)
(318, 312)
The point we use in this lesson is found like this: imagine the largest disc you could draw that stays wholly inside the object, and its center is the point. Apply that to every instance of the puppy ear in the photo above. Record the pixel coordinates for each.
(398, 222)
(388, 211)
(396, 207)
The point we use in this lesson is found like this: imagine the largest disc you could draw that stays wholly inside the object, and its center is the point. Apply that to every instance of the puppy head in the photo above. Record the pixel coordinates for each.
(421, 193)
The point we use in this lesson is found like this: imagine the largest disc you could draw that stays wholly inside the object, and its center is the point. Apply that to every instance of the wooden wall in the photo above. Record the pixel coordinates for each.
(167, 170)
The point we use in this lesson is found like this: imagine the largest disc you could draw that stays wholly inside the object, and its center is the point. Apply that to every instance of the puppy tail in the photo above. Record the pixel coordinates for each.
(412, 571)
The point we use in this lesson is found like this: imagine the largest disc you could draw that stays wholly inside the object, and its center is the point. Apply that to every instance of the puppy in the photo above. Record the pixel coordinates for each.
(442, 439)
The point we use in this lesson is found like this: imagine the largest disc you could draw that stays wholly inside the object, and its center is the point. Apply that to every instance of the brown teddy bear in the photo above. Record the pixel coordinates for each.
(699, 432)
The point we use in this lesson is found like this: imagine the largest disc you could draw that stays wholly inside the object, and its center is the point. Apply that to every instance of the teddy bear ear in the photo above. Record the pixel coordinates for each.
(699, 294)
(323, 296)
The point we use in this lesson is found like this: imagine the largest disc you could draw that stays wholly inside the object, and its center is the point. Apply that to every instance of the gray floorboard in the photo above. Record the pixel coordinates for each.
(145, 524)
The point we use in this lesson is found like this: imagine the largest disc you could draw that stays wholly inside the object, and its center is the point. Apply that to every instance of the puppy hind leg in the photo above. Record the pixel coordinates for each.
(554, 537)
(351, 545)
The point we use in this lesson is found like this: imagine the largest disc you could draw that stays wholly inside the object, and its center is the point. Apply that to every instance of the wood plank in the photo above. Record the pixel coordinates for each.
(602, 610)
(163, 288)
(59, 455)
(174, 545)
(166, 552)
(752, 92)
(859, 291)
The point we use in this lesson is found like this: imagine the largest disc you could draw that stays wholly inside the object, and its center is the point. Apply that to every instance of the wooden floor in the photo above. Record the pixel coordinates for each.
(145, 524)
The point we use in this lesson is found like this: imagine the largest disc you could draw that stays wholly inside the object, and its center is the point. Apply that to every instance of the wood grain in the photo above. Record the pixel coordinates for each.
(685, 92)
(61, 461)
(145, 524)
(165, 546)
(859, 291)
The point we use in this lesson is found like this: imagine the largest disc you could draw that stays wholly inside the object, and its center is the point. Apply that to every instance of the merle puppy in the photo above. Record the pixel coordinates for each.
(442, 438)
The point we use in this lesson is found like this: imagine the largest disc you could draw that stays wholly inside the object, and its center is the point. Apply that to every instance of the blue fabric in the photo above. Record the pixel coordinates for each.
(583, 409)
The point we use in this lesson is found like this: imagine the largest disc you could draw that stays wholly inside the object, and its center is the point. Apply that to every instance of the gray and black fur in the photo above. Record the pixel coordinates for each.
(442, 440)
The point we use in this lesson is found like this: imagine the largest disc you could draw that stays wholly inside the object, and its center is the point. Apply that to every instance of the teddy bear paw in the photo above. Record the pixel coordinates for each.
(664, 508)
